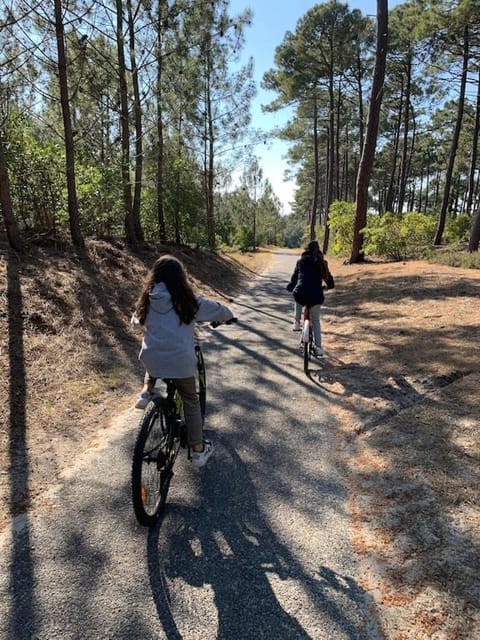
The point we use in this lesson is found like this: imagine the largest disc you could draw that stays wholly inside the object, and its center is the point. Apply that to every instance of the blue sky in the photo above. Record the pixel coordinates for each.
(271, 19)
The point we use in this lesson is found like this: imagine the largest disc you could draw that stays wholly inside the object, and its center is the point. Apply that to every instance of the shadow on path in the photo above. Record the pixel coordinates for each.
(258, 588)
(21, 562)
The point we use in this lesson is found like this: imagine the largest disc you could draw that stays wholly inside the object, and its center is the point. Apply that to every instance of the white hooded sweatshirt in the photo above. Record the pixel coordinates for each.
(168, 347)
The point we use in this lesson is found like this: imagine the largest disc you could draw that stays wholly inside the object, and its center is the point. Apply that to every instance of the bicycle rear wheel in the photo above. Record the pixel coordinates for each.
(152, 466)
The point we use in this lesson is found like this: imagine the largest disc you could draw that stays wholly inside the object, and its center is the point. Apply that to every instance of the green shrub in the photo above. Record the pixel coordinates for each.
(382, 236)
(418, 229)
(244, 238)
(36, 177)
(399, 236)
(341, 218)
(458, 229)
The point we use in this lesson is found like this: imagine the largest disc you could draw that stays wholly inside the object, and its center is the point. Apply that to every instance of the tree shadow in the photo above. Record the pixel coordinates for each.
(422, 498)
(258, 588)
(21, 561)
(387, 393)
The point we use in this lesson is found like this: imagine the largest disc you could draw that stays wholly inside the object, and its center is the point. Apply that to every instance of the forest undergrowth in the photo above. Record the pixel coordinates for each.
(402, 340)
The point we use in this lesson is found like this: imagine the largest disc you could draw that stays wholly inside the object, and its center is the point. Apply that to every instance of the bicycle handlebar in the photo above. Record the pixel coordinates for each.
(217, 323)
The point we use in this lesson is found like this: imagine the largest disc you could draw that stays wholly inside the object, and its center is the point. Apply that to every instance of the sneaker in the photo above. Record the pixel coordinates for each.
(318, 351)
(296, 326)
(199, 458)
(143, 400)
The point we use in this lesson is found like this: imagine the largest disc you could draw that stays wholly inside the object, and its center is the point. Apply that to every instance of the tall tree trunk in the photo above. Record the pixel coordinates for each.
(210, 190)
(73, 215)
(129, 224)
(331, 160)
(474, 154)
(411, 198)
(162, 232)
(456, 135)
(361, 116)
(475, 233)
(389, 200)
(209, 178)
(420, 194)
(436, 196)
(137, 110)
(411, 152)
(178, 182)
(336, 193)
(456, 197)
(255, 210)
(326, 179)
(427, 192)
(368, 155)
(316, 171)
(406, 127)
(9, 221)
(346, 166)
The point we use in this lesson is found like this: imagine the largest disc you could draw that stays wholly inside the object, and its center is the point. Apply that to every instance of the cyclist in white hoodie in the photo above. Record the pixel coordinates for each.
(168, 309)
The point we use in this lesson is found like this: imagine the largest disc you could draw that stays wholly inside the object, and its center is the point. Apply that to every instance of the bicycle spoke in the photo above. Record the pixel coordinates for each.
(153, 459)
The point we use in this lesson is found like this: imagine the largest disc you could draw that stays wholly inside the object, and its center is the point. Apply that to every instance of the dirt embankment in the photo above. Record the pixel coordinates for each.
(69, 354)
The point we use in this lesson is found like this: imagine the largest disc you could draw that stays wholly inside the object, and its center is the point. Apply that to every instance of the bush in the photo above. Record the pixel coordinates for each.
(341, 218)
(399, 236)
(458, 229)
(382, 236)
(418, 229)
(36, 178)
(244, 238)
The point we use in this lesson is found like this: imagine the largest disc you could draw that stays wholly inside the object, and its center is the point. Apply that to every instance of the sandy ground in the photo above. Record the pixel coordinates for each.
(404, 368)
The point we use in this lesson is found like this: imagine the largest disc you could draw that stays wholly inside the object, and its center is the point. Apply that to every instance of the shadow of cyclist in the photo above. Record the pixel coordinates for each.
(226, 551)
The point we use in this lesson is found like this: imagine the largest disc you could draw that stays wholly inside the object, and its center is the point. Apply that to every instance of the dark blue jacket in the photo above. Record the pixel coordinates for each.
(306, 280)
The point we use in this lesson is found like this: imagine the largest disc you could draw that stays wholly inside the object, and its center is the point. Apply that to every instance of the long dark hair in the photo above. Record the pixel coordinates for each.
(313, 249)
(171, 271)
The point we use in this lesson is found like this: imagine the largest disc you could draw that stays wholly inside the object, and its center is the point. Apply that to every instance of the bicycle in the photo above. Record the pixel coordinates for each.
(306, 339)
(307, 343)
(162, 432)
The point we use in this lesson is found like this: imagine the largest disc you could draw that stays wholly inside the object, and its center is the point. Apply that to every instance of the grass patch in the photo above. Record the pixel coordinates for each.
(455, 258)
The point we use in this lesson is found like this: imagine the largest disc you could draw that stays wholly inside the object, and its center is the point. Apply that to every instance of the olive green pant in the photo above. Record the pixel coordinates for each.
(191, 407)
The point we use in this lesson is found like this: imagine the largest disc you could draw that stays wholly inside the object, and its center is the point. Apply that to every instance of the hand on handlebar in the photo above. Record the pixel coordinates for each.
(217, 323)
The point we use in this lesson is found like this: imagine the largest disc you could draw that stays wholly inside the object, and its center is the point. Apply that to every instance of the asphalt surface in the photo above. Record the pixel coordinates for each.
(255, 545)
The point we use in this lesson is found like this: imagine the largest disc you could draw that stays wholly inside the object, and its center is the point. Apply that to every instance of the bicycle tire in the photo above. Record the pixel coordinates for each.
(306, 358)
(201, 382)
(306, 346)
(152, 466)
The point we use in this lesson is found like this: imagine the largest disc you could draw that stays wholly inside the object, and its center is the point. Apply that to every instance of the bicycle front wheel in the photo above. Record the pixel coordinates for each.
(306, 345)
(152, 466)
(201, 382)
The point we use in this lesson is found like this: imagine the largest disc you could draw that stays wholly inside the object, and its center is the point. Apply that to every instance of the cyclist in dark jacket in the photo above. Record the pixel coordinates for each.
(306, 284)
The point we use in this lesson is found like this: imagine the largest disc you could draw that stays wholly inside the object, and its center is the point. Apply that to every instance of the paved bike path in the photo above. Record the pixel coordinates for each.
(254, 546)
